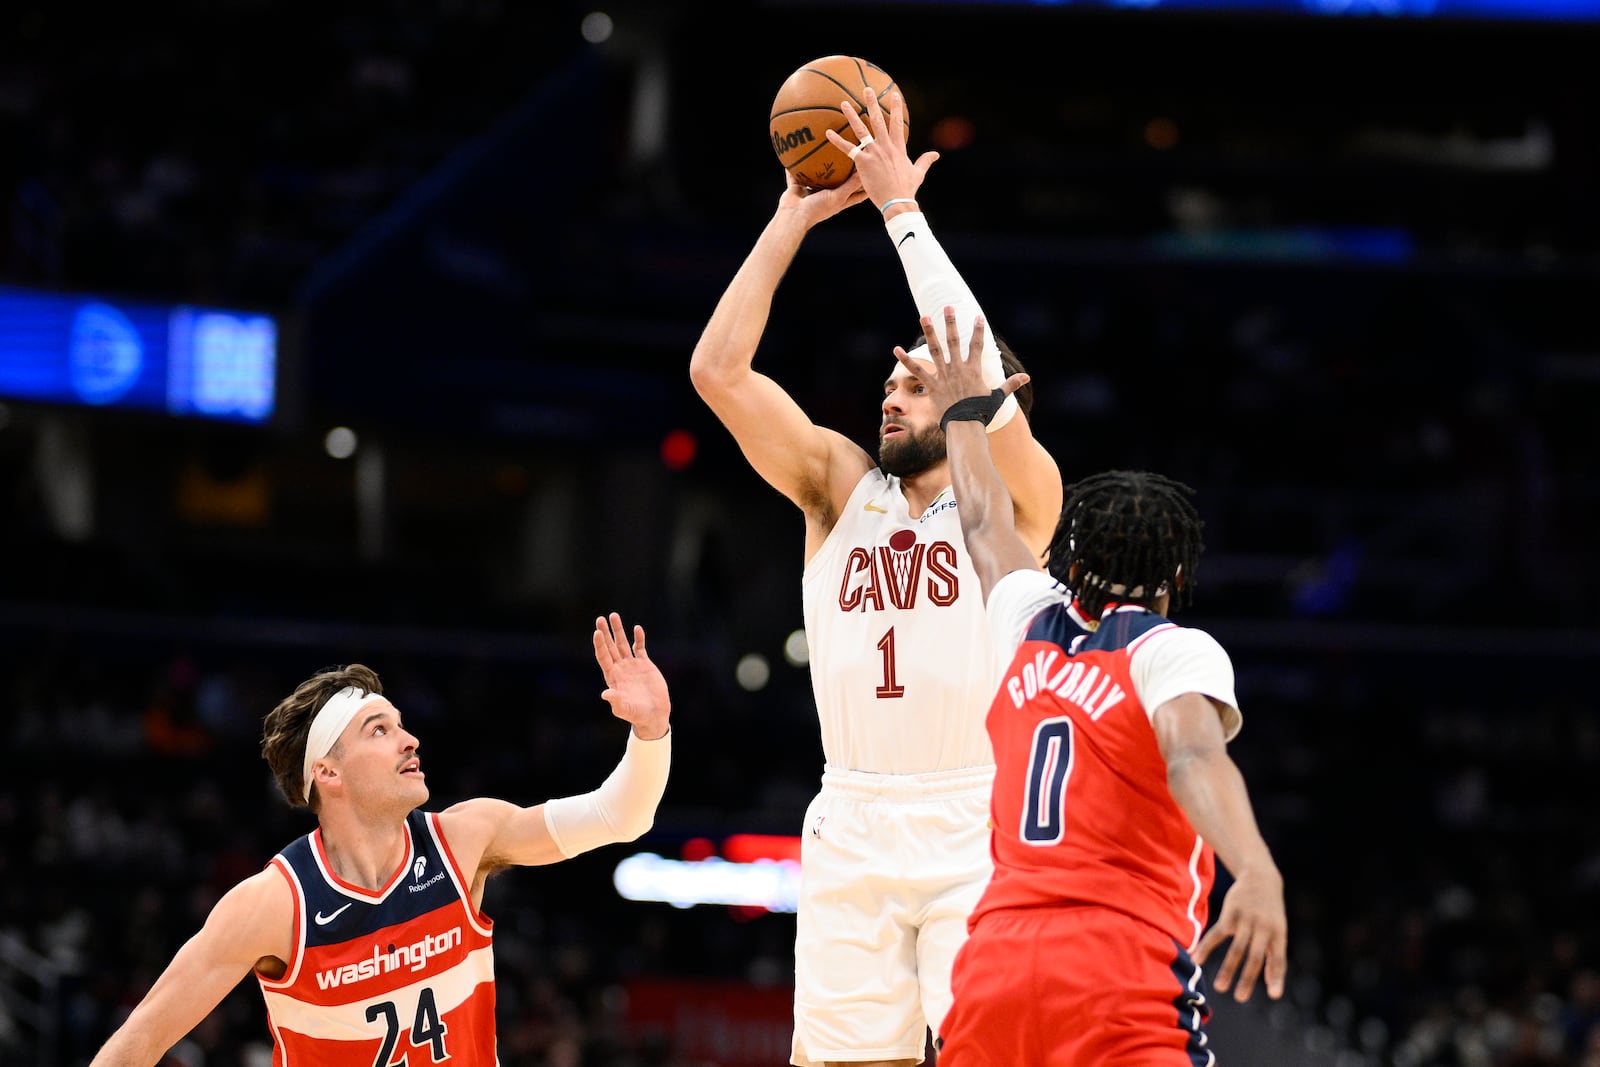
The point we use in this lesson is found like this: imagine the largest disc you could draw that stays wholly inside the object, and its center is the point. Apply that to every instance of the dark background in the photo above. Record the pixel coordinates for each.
(1336, 273)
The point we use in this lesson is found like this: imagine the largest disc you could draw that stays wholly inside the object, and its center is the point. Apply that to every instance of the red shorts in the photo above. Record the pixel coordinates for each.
(1074, 987)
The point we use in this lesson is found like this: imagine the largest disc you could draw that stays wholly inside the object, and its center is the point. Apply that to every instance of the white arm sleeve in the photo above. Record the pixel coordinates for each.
(935, 284)
(622, 808)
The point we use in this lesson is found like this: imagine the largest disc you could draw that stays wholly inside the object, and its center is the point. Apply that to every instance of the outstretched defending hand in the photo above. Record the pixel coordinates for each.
(635, 687)
(1253, 919)
(948, 378)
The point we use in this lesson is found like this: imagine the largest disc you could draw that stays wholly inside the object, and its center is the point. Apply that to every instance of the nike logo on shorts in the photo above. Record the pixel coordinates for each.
(324, 920)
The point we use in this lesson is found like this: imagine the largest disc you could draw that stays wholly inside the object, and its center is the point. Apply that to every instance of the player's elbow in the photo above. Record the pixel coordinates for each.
(712, 373)
(635, 826)
(1193, 772)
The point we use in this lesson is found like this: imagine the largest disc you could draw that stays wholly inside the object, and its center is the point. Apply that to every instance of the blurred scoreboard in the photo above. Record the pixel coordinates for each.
(166, 359)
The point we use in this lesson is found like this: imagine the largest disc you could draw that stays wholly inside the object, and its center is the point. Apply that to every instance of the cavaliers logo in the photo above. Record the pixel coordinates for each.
(903, 571)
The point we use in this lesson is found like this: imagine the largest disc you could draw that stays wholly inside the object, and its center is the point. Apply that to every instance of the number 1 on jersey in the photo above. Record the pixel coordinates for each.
(888, 690)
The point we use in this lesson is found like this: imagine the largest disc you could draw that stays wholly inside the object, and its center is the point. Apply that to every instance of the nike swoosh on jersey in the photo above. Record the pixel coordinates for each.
(324, 920)
(909, 235)
(870, 506)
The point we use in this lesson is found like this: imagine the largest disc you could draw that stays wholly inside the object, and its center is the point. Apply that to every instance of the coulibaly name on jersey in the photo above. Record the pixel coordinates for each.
(1077, 682)
(391, 958)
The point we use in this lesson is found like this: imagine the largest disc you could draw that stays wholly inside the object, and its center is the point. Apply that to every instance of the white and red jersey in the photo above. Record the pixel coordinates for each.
(902, 664)
(1081, 809)
(403, 974)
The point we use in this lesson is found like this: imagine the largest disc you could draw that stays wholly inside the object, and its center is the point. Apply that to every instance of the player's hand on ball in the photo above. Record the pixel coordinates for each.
(883, 164)
(818, 204)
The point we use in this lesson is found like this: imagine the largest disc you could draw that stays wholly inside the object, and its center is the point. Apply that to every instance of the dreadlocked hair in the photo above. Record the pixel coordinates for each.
(1127, 529)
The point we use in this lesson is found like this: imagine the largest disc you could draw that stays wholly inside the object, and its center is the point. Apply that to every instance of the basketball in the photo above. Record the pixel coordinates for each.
(808, 103)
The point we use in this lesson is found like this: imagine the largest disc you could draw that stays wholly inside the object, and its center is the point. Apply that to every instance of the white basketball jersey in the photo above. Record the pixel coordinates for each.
(902, 664)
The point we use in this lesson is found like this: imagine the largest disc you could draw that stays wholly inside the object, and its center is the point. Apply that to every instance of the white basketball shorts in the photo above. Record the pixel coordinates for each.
(890, 867)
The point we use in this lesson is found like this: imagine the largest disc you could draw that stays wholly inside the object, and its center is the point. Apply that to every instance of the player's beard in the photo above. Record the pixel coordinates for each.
(911, 452)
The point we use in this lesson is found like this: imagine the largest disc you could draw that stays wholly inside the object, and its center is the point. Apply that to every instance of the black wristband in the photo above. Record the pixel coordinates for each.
(977, 408)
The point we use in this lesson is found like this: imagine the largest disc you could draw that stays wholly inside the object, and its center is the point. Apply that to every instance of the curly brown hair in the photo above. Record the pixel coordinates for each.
(286, 727)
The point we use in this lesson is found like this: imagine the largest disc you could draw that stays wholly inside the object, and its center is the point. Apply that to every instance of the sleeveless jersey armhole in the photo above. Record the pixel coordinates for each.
(463, 884)
(292, 965)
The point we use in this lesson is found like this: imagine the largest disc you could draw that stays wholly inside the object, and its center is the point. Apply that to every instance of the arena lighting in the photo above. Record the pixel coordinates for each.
(1413, 10)
(756, 871)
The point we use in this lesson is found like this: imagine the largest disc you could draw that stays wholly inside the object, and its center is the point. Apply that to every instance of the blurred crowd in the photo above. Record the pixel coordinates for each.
(220, 151)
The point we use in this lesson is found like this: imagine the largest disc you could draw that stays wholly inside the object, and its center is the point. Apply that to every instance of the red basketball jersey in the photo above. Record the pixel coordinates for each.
(401, 975)
(1081, 809)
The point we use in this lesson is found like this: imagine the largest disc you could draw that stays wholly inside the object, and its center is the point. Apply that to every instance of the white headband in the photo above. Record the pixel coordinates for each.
(330, 722)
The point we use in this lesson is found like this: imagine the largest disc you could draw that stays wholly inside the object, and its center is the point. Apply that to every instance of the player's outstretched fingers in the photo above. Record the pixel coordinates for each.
(838, 141)
(930, 337)
(610, 643)
(897, 117)
(859, 127)
(875, 126)
(1277, 967)
(864, 138)
(907, 362)
(619, 637)
(1232, 960)
(1254, 957)
(952, 333)
(975, 346)
(1213, 939)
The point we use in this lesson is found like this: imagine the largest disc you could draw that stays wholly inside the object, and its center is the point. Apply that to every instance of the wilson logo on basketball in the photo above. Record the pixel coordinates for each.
(782, 143)
(899, 573)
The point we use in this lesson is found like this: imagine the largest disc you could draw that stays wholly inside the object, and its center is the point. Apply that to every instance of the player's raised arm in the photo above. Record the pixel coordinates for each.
(891, 179)
(805, 462)
(621, 809)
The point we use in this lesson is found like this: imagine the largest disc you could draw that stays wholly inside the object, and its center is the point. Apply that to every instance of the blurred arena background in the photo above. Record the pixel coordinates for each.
(1334, 264)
